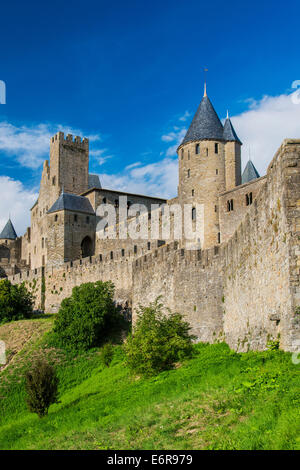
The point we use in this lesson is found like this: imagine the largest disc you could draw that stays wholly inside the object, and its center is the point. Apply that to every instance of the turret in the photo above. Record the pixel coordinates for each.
(202, 167)
(232, 156)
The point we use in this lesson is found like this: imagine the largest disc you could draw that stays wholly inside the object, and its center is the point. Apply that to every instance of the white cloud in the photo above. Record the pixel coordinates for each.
(30, 145)
(175, 136)
(156, 179)
(264, 126)
(16, 201)
(185, 116)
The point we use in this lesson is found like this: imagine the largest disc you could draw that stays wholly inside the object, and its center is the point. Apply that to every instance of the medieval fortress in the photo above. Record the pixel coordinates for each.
(238, 280)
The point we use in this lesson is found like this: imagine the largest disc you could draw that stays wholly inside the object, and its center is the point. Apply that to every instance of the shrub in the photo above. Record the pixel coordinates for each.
(158, 340)
(16, 303)
(107, 354)
(41, 387)
(273, 345)
(84, 317)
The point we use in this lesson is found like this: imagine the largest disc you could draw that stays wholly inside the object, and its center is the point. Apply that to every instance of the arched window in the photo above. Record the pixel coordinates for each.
(216, 148)
(197, 150)
(56, 218)
(194, 213)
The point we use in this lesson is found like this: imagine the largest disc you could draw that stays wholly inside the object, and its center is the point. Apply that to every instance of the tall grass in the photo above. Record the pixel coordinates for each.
(217, 400)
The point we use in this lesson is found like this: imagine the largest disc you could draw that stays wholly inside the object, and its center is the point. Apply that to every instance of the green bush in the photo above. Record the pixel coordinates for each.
(16, 303)
(41, 387)
(85, 317)
(107, 354)
(158, 340)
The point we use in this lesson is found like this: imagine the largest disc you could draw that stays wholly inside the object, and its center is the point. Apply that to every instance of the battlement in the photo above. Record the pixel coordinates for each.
(77, 141)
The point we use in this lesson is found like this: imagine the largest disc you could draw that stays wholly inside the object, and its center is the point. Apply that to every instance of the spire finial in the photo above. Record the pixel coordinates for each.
(205, 70)
(227, 117)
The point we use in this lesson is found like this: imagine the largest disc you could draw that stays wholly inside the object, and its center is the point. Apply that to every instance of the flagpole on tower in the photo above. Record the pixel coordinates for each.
(205, 71)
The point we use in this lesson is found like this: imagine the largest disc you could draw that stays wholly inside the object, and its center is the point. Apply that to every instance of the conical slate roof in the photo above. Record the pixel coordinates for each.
(8, 232)
(72, 202)
(205, 125)
(229, 133)
(250, 173)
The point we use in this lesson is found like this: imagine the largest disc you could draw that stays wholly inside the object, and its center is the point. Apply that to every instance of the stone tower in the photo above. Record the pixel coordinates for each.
(209, 163)
(202, 168)
(232, 156)
(69, 164)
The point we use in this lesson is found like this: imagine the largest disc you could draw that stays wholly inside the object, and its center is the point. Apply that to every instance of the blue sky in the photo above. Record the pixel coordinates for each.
(129, 74)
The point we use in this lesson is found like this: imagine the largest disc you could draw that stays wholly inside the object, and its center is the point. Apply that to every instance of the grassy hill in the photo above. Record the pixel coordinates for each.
(217, 400)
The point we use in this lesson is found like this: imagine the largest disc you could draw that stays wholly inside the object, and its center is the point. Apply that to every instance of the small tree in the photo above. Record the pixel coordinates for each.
(84, 317)
(16, 302)
(158, 340)
(41, 387)
(107, 354)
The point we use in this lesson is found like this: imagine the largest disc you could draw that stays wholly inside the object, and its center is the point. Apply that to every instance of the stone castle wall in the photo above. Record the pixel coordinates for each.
(244, 291)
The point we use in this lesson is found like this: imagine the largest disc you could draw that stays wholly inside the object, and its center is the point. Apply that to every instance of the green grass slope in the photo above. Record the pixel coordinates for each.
(217, 400)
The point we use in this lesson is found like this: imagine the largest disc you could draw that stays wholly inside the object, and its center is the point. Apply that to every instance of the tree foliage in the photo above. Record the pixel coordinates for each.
(16, 303)
(84, 317)
(41, 387)
(158, 340)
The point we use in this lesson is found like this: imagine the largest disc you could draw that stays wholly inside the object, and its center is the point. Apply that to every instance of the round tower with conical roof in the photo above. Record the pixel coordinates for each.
(209, 163)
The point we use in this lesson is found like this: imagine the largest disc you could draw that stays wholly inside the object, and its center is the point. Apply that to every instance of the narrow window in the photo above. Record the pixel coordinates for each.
(189, 173)
(189, 156)
(43, 242)
(182, 154)
(123, 252)
(219, 237)
(193, 192)
(216, 208)
(75, 218)
(149, 245)
(56, 218)
(230, 205)
(111, 255)
(207, 152)
(197, 149)
(194, 213)
(53, 181)
(250, 198)
(217, 172)
(135, 249)
(104, 200)
(216, 148)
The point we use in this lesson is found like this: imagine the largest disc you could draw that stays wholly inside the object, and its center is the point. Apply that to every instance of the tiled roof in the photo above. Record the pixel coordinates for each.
(205, 125)
(94, 182)
(8, 232)
(229, 133)
(250, 173)
(72, 202)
